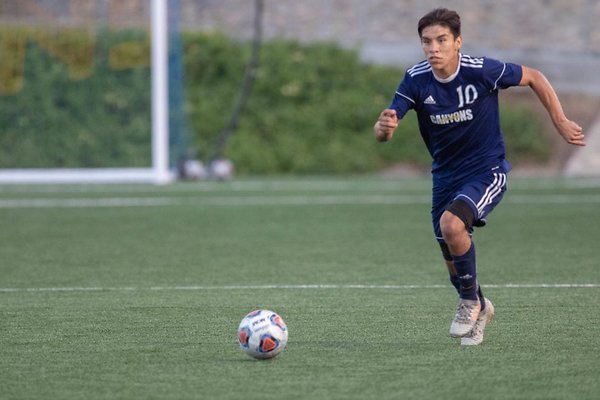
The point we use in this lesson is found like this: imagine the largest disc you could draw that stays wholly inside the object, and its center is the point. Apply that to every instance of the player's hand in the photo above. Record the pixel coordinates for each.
(571, 132)
(386, 125)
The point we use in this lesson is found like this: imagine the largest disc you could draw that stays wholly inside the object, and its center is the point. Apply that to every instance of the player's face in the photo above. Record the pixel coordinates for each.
(441, 49)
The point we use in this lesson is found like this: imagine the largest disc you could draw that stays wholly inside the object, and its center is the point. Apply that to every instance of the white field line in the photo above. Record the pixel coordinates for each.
(304, 185)
(87, 202)
(292, 287)
(287, 200)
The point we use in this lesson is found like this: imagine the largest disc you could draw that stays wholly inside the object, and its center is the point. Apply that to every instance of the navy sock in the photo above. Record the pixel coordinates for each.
(455, 282)
(466, 270)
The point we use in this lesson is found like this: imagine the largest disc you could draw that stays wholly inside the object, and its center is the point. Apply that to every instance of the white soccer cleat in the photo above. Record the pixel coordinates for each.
(475, 337)
(465, 318)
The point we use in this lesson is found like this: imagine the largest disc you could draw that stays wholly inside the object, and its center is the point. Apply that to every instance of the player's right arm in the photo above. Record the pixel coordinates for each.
(569, 130)
(386, 125)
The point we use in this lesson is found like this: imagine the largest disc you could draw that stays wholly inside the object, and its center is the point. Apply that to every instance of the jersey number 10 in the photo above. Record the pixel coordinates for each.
(468, 95)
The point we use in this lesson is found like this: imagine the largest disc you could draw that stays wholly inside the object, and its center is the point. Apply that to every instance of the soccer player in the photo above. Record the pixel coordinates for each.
(455, 97)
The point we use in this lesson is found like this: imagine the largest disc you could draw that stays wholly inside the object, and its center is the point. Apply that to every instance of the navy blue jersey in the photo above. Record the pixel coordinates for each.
(459, 117)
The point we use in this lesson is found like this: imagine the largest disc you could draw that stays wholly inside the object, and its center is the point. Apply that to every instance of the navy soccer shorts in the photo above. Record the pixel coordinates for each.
(481, 194)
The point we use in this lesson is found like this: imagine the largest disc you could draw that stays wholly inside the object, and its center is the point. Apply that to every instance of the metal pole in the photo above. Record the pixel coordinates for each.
(160, 92)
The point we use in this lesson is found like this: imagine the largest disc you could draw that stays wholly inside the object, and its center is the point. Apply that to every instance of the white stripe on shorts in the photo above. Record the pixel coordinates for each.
(491, 192)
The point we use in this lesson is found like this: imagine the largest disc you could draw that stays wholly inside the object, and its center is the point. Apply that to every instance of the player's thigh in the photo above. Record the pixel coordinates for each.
(483, 194)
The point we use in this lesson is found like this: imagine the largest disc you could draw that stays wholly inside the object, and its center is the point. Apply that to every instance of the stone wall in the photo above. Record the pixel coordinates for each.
(541, 25)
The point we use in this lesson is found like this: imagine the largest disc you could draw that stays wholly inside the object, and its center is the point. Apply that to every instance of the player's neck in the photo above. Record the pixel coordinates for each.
(448, 71)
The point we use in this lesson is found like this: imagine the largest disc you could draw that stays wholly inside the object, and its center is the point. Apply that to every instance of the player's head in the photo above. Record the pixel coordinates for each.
(441, 41)
(443, 17)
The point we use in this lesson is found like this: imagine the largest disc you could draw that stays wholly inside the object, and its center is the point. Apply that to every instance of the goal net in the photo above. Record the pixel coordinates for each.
(84, 91)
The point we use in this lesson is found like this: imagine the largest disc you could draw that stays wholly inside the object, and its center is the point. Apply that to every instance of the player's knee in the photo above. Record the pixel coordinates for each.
(458, 216)
(451, 226)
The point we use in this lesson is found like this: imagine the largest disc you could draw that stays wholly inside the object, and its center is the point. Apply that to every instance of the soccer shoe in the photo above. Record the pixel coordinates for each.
(465, 318)
(475, 336)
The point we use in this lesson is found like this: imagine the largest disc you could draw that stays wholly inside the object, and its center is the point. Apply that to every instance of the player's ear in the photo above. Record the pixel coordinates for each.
(458, 42)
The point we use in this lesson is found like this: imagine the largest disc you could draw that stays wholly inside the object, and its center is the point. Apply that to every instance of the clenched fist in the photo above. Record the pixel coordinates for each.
(386, 125)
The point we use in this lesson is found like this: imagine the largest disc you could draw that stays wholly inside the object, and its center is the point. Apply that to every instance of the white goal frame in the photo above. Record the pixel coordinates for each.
(159, 172)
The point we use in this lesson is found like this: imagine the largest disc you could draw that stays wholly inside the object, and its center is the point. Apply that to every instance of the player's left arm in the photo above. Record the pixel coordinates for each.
(569, 130)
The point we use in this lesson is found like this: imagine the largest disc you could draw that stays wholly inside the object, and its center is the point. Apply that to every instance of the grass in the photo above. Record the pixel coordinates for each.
(102, 296)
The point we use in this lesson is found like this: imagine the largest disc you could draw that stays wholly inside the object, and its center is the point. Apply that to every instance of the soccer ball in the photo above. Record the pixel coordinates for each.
(262, 334)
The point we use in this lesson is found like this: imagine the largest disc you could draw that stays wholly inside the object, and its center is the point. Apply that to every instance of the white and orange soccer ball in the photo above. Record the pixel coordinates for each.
(262, 334)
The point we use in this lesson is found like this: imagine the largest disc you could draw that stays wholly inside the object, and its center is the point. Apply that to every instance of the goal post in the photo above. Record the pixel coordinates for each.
(160, 92)
(159, 171)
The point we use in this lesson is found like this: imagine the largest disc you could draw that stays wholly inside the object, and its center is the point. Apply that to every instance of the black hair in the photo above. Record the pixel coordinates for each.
(443, 17)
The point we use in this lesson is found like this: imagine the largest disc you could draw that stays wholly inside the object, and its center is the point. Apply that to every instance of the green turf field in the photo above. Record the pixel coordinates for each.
(136, 292)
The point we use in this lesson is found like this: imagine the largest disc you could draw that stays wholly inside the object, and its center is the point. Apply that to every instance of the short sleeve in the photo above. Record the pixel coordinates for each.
(499, 75)
(404, 99)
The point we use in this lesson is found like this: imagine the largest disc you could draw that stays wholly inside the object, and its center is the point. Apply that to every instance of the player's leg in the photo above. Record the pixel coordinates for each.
(453, 275)
(475, 335)
(475, 201)
(467, 310)
(456, 234)
(456, 225)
